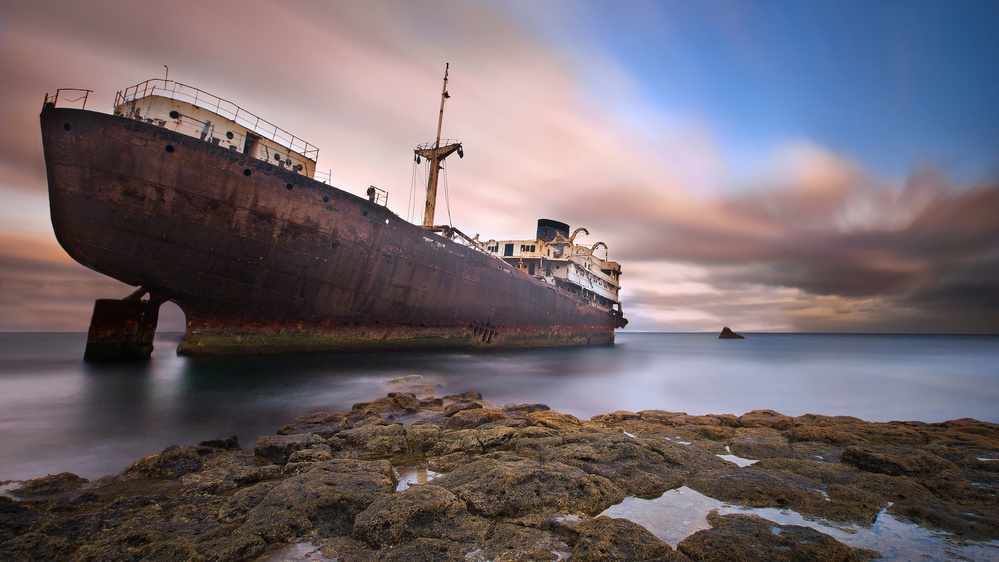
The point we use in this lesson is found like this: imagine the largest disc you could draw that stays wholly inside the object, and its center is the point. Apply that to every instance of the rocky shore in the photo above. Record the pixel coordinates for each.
(517, 482)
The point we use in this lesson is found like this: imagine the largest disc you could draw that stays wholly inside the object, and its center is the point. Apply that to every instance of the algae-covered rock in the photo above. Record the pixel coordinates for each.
(422, 438)
(749, 537)
(604, 538)
(518, 483)
(49, 485)
(894, 462)
(419, 512)
(553, 419)
(319, 499)
(468, 419)
(321, 423)
(277, 448)
(625, 461)
(766, 418)
(516, 487)
(376, 438)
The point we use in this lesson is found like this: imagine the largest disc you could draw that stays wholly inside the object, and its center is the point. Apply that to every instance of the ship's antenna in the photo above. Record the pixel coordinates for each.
(435, 155)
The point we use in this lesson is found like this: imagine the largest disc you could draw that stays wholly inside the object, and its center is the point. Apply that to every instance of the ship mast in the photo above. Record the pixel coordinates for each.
(436, 154)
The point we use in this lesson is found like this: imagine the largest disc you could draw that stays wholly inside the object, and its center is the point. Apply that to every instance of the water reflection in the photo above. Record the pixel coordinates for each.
(681, 512)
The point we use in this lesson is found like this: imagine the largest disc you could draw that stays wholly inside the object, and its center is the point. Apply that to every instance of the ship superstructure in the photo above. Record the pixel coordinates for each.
(192, 199)
(554, 257)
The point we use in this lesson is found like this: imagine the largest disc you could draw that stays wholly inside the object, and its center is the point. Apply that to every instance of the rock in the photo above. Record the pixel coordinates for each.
(458, 441)
(374, 438)
(321, 423)
(422, 438)
(418, 512)
(625, 461)
(615, 419)
(728, 334)
(759, 443)
(395, 405)
(759, 488)
(492, 438)
(515, 542)
(893, 462)
(521, 410)
(50, 485)
(277, 448)
(512, 488)
(227, 443)
(422, 549)
(175, 461)
(228, 472)
(467, 396)
(314, 454)
(749, 537)
(553, 419)
(323, 499)
(469, 419)
(603, 538)
(766, 418)
(452, 409)
(16, 519)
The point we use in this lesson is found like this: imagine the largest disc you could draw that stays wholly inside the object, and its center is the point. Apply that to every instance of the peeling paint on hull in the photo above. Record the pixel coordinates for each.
(261, 259)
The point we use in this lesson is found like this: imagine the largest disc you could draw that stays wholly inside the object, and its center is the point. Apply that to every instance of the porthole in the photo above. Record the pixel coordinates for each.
(247, 172)
(174, 114)
(288, 187)
(67, 126)
(169, 148)
(228, 135)
(277, 156)
(365, 213)
(287, 162)
(326, 199)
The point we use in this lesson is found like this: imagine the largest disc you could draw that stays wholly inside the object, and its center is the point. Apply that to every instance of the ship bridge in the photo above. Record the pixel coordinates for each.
(554, 257)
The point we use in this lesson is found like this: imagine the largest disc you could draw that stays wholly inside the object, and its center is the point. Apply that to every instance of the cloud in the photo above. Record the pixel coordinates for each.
(858, 254)
(812, 242)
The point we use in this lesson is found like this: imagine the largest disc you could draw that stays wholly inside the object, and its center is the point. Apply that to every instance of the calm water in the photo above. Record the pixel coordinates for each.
(60, 414)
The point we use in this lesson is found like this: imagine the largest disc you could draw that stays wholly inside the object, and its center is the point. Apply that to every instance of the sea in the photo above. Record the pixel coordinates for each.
(59, 413)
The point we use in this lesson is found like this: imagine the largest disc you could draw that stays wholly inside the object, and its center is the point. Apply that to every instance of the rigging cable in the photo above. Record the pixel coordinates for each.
(411, 210)
(447, 198)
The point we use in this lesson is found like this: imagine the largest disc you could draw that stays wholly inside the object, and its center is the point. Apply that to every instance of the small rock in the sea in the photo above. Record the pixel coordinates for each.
(728, 334)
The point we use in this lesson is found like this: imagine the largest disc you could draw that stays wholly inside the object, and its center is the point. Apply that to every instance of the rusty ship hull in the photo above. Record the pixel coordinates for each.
(261, 259)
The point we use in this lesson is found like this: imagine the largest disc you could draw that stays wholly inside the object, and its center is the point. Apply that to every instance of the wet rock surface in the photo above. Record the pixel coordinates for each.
(513, 482)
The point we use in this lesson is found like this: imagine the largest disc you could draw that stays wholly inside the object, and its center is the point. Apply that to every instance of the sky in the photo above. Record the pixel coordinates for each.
(772, 166)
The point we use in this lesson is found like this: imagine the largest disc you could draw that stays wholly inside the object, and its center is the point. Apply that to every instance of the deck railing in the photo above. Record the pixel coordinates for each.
(80, 93)
(225, 108)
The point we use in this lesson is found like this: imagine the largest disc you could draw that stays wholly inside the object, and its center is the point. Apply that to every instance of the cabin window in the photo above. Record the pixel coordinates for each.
(508, 250)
